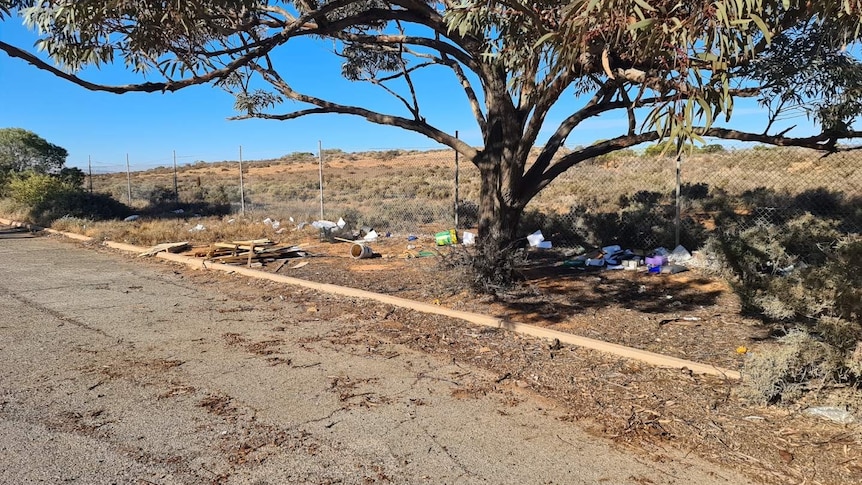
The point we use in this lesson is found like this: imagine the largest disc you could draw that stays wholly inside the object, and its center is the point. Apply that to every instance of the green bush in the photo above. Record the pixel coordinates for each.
(50, 197)
(32, 188)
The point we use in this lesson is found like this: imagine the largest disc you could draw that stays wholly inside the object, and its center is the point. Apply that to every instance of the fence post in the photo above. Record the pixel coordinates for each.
(456, 183)
(678, 196)
(241, 186)
(320, 169)
(129, 179)
(90, 169)
(176, 185)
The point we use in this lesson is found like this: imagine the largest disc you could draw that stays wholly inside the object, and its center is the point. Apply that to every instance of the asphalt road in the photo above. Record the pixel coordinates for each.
(114, 370)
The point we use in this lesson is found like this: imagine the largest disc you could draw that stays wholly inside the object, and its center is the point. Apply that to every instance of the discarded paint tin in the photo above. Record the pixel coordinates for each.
(361, 251)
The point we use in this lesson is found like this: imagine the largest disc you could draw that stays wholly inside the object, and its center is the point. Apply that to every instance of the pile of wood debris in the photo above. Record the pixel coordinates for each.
(253, 253)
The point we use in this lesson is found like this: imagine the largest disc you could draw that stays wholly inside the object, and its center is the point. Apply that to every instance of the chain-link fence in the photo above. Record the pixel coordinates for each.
(639, 201)
(643, 201)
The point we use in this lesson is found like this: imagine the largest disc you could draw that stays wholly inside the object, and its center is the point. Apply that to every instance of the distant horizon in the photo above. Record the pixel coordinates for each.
(728, 145)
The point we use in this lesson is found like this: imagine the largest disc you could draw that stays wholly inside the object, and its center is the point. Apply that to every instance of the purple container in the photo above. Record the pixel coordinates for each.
(656, 260)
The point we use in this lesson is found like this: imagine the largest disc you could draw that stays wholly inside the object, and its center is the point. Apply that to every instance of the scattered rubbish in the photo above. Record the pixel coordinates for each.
(175, 247)
(742, 350)
(412, 238)
(329, 230)
(371, 236)
(535, 238)
(132, 218)
(323, 224)
(544, 245)
(272, 223)
(298, 265)
(290, 219)
(682, 321)
(426, 254)
(614, 257)
(231, 221)
(834, 414)
(361, 251)
(673, 269)
(611, 250)
(679, 255)
(468, 238)
(198, 228)
(657, 260)
(178, 211)
(445, 238)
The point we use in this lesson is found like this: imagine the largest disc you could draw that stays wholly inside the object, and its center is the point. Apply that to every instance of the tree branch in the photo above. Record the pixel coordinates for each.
(475, 106)
(324, 106)
(147, 87)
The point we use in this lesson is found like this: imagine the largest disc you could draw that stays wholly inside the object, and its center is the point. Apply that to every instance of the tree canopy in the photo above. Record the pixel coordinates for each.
(22, 150)
(673, 69)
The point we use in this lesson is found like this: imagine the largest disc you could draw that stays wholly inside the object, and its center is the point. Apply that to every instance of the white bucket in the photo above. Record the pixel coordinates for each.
(361, 251)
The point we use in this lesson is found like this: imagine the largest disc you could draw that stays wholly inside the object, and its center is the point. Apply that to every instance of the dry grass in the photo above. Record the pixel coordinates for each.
(389, 187)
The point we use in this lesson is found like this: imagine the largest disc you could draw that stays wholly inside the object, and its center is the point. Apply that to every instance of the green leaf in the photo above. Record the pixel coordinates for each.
(641, 25)
(646, 6)
(767, 34)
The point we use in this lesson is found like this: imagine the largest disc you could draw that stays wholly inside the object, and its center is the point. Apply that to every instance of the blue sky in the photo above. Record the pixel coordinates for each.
(193, 122)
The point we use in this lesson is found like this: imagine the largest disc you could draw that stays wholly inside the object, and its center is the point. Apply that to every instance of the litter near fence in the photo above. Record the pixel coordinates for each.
(614, 257)
(537, 240)
(446, 238)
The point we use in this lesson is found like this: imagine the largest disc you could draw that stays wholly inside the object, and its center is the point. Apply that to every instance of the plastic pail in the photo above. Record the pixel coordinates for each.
(361, 251)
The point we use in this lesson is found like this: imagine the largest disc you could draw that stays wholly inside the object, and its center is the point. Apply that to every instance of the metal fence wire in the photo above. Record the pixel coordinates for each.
(626, 198)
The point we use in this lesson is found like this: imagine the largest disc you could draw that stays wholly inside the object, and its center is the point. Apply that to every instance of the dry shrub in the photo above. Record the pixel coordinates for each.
(784, 373)
(805, 274)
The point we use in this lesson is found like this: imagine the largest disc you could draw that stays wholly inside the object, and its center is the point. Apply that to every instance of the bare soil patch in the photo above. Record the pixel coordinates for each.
(688, 315)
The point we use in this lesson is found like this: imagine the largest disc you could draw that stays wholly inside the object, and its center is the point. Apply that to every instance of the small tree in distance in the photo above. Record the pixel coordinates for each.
(22, 150)
(670, 68)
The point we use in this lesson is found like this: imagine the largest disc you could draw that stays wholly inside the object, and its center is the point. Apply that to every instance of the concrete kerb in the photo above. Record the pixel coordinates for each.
(651, 358)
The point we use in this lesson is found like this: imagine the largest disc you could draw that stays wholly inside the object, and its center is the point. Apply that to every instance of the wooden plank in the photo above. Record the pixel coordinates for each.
(175, 247)
(281, 263)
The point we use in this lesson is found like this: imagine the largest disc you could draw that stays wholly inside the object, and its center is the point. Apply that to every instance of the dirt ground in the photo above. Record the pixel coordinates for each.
(688, 315)
(658, 415)
(123, 370)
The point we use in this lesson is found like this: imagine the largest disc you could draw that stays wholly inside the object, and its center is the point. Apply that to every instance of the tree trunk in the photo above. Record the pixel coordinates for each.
(499, 218)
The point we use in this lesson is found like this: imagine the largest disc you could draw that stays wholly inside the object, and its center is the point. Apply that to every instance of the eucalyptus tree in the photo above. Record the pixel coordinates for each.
(22, 150)
(671, 68)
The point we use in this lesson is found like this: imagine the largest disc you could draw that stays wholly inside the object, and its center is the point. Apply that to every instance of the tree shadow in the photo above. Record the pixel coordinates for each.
(645, 220)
